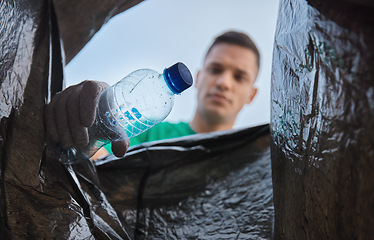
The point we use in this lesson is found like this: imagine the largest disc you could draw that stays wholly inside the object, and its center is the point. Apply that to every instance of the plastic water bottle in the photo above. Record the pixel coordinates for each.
(133, 105)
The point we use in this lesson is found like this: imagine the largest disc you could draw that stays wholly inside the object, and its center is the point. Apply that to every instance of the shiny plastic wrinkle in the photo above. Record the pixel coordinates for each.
(205, 186)
(18, 28)
(322, 120)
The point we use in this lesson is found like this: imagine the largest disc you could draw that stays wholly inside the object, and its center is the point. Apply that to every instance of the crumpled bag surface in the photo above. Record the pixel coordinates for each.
(206, 186)
(322, 124)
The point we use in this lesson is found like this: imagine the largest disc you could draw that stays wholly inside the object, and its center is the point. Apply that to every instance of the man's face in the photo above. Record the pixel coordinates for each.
(225, 84)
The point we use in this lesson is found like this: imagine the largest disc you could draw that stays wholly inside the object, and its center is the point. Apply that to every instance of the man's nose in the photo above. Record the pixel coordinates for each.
(224, 80)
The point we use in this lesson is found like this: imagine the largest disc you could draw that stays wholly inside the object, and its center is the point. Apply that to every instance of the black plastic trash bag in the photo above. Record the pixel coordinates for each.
(206, 186)
(322, 120)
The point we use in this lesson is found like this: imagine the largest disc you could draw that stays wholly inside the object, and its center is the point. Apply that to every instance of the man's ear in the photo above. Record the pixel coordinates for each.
(197, 79)
(252, 95)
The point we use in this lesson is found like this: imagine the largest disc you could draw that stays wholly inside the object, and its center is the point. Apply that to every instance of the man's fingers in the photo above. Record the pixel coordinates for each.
(88, 101)
(78, 132)
(71, 112)
(119, 148)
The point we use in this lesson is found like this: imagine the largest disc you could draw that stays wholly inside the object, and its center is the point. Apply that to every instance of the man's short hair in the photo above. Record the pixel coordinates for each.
(237, 38)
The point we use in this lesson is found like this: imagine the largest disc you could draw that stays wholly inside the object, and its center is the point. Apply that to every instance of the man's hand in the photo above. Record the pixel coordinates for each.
(72, 111)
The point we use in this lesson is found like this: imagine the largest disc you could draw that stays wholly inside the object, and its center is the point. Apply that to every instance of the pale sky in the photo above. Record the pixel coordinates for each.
(158, 33)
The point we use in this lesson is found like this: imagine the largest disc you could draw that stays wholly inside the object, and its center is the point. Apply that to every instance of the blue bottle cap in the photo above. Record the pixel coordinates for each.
(178, 77)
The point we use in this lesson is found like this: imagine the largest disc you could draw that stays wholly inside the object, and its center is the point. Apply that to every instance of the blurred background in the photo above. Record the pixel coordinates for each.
(156, 34)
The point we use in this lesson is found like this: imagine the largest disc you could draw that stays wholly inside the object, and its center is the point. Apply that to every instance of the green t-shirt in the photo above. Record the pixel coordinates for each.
(163, 130)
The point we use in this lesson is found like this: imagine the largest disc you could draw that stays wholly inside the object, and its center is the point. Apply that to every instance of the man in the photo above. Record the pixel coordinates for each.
(224, 85)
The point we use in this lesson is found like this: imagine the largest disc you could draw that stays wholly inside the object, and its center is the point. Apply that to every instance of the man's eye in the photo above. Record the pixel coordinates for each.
(214, 70)
(239, 78)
